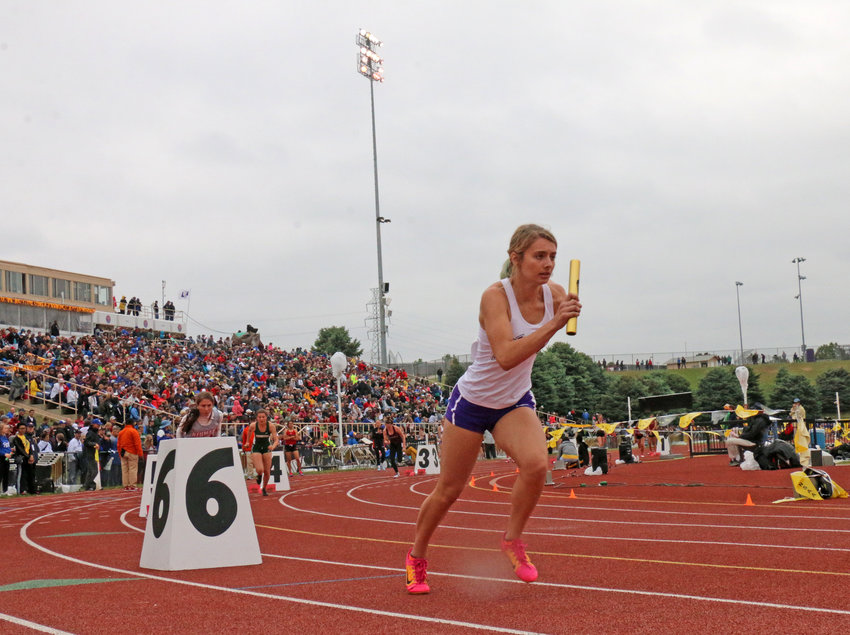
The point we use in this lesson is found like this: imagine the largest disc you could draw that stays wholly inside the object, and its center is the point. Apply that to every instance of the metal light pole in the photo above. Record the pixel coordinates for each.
(799, 297)
(370, 65)
(738, 285)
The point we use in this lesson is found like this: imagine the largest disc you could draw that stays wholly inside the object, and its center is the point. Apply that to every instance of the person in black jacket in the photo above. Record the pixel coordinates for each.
(90, 447)
(750, 438)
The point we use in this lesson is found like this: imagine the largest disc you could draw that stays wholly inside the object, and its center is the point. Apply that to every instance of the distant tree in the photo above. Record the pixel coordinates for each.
(830, 351)
(588, 380)
(677, 382)
(835, 380)
(755, 393)
(614, 403)
(553, 390)
(453, 372)
(336, 338)
(718, 387)
(789, 387)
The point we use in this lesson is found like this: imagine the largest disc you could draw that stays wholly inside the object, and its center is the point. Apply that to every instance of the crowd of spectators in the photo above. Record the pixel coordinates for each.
(150, 380)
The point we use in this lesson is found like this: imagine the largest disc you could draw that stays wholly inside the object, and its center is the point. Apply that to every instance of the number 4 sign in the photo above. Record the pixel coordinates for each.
(427, 459)
(200, 516)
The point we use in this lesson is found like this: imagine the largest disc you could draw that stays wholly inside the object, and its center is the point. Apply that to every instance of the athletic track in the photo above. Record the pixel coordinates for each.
(668, 546)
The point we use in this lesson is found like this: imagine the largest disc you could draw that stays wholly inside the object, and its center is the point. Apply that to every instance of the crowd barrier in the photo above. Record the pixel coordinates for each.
(64, 471)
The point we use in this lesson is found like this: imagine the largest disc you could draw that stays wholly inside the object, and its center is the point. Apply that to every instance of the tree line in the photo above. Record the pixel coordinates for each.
(565, 380)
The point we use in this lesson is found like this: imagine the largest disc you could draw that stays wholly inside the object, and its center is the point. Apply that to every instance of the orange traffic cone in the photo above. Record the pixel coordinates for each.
(472, 482)
(495, 487)
(492, 474)
(517, 470)
(573, 494)
(750, 501)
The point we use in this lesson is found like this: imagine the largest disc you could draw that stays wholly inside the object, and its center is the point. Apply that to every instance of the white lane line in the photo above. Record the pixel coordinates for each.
(549, 584)
(560, 534)
(269, 596)
(582, 587)
(33, 625)
(610, 522)
(415, 489)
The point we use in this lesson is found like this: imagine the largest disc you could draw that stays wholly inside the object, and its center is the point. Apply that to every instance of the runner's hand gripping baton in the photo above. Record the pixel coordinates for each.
(575, 266)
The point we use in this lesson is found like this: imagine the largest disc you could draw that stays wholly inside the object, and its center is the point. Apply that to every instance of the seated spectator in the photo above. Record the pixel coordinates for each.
(750, 438)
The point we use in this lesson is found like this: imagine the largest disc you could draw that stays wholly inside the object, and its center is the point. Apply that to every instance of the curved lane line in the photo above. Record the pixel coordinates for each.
(269, 596)
(33, 625)
(611, 522)
(551, 534)
(706, 565)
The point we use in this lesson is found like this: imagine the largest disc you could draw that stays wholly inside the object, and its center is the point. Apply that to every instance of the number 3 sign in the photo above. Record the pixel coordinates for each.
(427, 459)
(200, 516)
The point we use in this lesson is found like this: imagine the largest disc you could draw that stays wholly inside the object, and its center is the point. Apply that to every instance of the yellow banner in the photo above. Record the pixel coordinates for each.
(47, 305)
(686, 420)
(607, 428)
(643, 424)
(743, 413)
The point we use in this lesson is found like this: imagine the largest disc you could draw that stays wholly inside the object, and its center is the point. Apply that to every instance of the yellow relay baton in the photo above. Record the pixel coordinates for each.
(575, 267)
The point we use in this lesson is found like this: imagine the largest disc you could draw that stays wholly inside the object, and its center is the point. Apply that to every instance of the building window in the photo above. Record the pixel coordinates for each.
(82, 292)
(61, 289)
(103, 295)
(39, 285)
(15, 282)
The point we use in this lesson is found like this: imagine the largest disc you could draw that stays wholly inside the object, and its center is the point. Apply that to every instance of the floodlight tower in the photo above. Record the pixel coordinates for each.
(799, 297)
(371, 66)
(738, 285)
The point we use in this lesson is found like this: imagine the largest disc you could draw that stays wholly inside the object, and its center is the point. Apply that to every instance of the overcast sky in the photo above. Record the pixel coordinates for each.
(225, 147)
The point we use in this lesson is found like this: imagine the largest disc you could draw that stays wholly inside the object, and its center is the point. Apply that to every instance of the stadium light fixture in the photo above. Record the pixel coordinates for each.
(738, 285)
(371, 66)
(799, 297)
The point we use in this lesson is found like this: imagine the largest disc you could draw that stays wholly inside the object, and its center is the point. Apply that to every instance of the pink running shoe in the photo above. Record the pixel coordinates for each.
(417, 576)
(515, 551)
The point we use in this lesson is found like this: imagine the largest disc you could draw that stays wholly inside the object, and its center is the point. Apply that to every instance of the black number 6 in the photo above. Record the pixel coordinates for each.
(200, 489)
(162, 496)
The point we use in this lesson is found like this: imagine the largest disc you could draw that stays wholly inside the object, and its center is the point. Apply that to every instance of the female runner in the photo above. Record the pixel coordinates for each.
(518, 316)
(265, 441)
(291, 437)
(202, 420)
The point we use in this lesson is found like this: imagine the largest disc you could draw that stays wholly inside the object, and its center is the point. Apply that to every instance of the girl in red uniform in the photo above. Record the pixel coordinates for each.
(291, 437)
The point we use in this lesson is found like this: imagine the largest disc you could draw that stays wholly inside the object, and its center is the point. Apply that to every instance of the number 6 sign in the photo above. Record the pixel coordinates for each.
(199, 516)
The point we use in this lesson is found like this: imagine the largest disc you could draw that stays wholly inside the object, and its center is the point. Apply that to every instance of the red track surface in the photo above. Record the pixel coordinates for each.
(666, 546)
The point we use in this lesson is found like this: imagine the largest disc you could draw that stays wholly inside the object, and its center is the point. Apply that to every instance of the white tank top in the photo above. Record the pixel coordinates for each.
(485, 383)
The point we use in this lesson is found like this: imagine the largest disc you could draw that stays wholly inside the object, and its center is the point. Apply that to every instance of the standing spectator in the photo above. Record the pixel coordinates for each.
(60, 445)
(155, 308)
(74, 457)
(489, 445)
(54, 329)
(5, 454)
(90, 446)
(122, 305)
(25, 457)
(802, 438)
(394, 438)
(163, 434)
(44, 444)
(130, 451)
